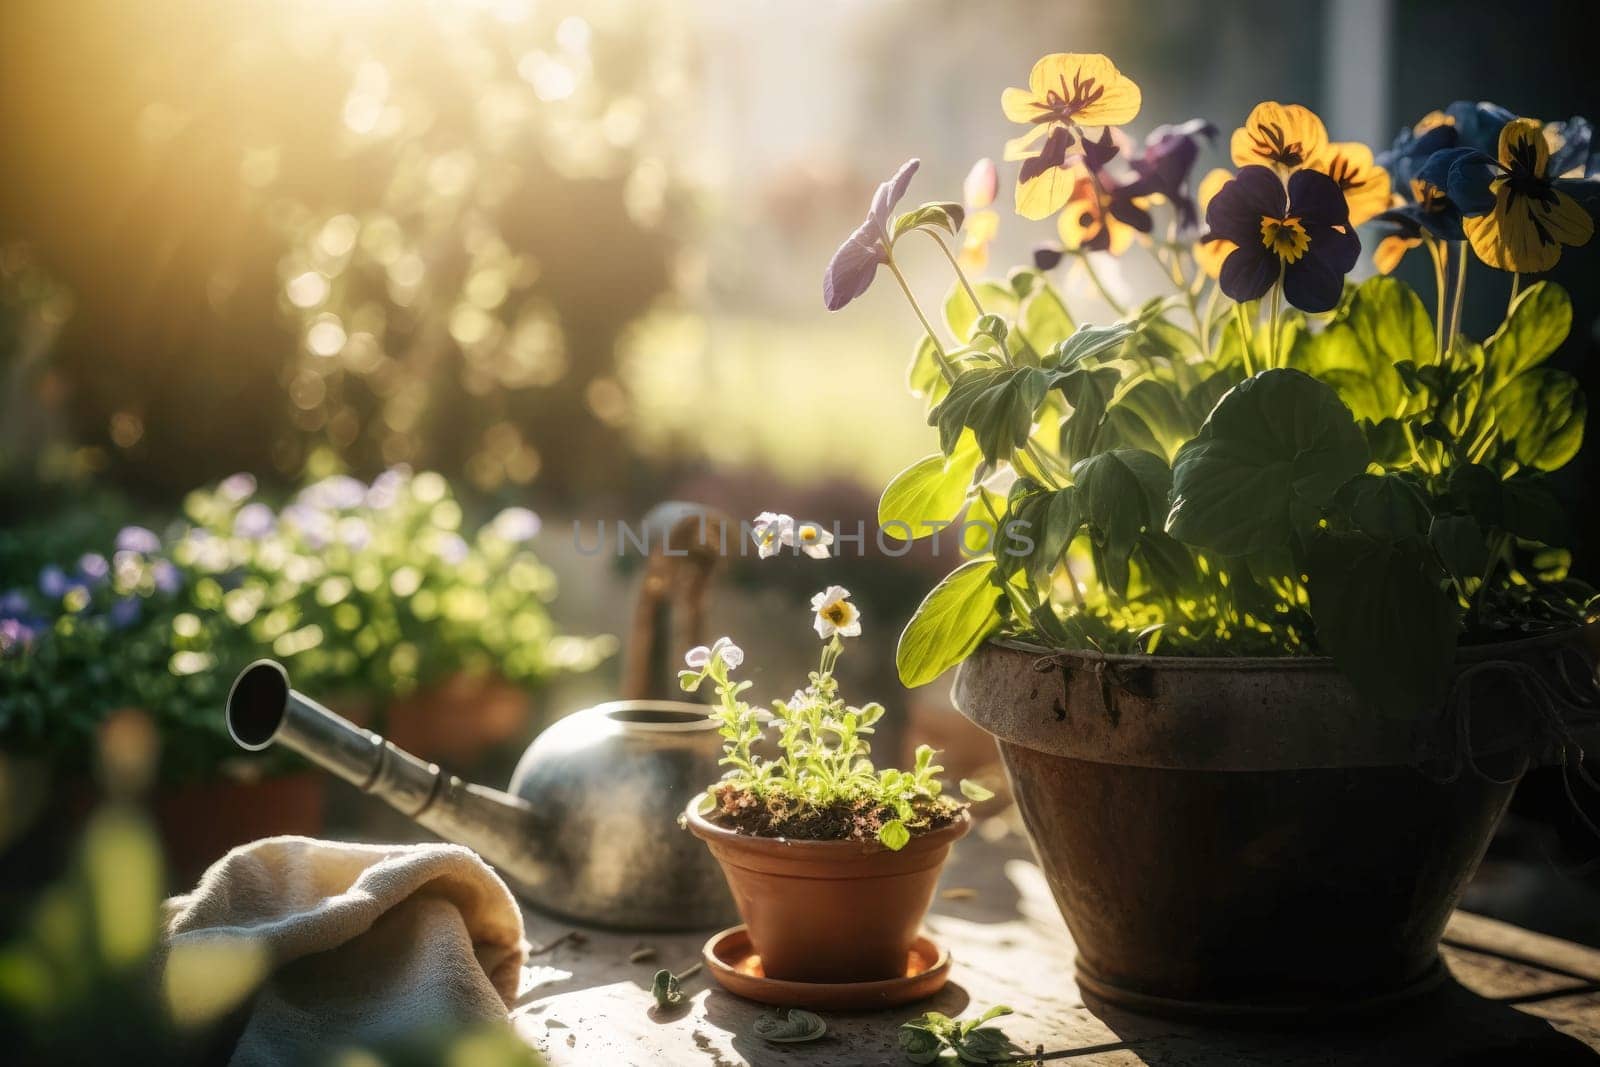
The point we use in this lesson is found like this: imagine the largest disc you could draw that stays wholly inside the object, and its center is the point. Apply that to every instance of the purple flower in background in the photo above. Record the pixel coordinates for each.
(386, 487)
(1048, 256)
(124, 612)
(53, 582)
(14, 604)
(94, 567)
(354, 534)
(254, 522)
(237, 487)
(338, 492)
(138, 539)
(315, 526)
(854, 265)
(15, 636)
(165, 575)
(1164, 164)
(451, 548)
(516, 525)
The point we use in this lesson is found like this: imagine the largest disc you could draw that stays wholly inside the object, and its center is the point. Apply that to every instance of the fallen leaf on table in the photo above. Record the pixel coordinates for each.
(796, 1027)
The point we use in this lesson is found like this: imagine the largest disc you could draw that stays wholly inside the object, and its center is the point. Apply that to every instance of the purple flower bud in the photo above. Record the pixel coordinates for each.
(254, 521)
(1047, 257)
(138, 539)
(853, 266)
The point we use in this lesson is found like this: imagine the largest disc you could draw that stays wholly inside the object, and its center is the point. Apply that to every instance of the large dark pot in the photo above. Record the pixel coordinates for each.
(1246, 836)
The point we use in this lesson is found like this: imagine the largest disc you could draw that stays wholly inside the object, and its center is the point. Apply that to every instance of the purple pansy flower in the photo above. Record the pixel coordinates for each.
(853, 266)
(137, 539)
(14, 604)
(15, 636)
(53, 582)
(1163, 166)
(1301, 234)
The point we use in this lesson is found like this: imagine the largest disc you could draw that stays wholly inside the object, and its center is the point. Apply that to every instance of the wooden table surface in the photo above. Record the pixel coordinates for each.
(1518, 997)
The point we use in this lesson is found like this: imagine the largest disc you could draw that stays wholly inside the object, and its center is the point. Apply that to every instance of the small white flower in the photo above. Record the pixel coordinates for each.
(699, 657)
(835, 613)
(812, 539)
(772, 530)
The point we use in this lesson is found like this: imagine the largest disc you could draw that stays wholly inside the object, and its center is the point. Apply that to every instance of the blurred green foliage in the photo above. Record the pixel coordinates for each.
(368, 590)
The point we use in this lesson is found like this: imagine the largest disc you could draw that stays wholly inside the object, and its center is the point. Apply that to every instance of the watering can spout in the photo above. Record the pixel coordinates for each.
(263, 711)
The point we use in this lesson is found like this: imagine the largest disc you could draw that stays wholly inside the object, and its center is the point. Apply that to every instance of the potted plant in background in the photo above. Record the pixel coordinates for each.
(1272, 609)
(832, 862)
(368, 590)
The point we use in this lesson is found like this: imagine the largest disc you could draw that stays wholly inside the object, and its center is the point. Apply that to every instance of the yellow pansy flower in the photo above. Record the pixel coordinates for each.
(1365, 185)
(1530, 218)
(1066, 91)
(1209, 254)
(1284, 137)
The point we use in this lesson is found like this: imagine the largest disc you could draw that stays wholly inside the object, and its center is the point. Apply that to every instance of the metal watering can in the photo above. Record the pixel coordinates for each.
(588, 828)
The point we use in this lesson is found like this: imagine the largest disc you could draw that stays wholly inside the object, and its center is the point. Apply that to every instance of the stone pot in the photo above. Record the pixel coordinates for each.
(829, 911)
(1245, 836)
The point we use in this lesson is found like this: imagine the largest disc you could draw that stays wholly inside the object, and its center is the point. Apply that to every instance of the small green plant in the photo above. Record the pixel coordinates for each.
(789, 1027)
(934, 1036)
(823, 783)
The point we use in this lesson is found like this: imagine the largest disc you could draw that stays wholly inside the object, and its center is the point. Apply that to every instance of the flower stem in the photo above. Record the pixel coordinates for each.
(961, 275)
(1458, 297)
(1274, 316)
(1436, 253)
(1245, 335)
(938, 348)
(1516, 287)
(1105, 294)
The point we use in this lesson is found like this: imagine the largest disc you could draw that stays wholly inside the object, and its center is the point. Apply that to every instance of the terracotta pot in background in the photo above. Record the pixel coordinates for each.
(454, 721)
(829, 911)
(200, 821)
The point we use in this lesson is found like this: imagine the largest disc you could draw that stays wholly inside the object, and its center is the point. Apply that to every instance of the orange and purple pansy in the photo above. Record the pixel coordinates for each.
(1066, 92)
(1298, 234)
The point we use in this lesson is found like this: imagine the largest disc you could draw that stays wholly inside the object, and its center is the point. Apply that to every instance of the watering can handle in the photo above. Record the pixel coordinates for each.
(687, 543)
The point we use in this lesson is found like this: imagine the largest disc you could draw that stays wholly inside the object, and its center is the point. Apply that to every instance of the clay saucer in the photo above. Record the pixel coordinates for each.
(732, 960)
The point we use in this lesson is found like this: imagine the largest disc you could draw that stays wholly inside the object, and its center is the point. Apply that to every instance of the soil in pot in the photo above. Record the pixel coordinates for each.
(829, 911)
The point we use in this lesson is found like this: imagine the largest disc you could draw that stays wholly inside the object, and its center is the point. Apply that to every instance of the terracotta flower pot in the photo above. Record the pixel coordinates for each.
(829, 911)
(201, 821)
(1246, 836)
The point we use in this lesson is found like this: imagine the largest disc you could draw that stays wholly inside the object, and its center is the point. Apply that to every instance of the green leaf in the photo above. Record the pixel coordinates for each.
(1388, 507)
(996, 403)
(1459, 541)
(1089, 392)
(946, 217)
(788, 1027)
(664, 987)
(1151, 416)
(1088, 342)
(924, 377)
(952, 620)
(1121, 493)
(975, 792)
(1269, 457)
(894, 835)
(959, 314)
(928, 493)
(1049, 519)
(1384, 323)
(1045, 319)
(1523, 505)
(1382, 612)
(1539, 320)
(1540, 415)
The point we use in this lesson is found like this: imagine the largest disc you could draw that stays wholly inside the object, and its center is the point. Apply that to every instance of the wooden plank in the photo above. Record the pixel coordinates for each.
(1519, 996)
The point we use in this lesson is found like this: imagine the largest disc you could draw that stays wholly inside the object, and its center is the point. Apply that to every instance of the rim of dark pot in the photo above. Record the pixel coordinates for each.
(1465, 654)
(707, 830)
